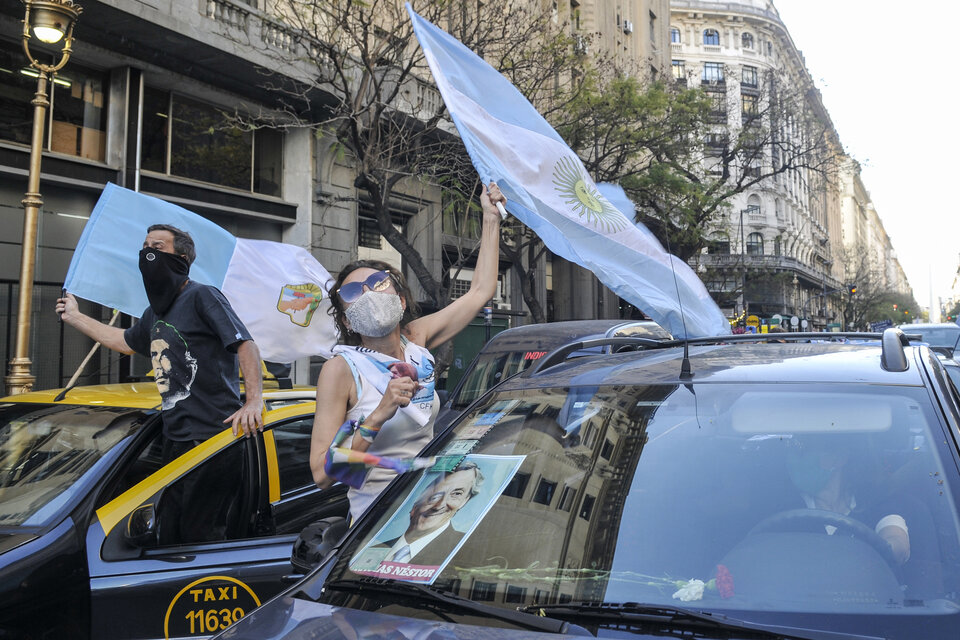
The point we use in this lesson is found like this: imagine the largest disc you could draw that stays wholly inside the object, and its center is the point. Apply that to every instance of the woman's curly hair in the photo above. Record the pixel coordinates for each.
(337, 307)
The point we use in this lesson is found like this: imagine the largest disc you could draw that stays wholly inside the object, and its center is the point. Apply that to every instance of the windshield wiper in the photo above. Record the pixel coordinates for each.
(424, 596)
(662, 616)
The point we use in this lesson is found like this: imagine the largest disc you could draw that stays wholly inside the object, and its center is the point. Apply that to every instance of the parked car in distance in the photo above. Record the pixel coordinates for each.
(86, 549)
(940, 336)
(511, 351)
(733, 487)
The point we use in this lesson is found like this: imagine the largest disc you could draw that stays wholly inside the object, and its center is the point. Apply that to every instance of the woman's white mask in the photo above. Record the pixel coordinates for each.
(375, 313)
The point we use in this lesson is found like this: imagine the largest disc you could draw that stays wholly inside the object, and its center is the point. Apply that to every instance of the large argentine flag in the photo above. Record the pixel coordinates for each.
(278, 290)
(549, 190)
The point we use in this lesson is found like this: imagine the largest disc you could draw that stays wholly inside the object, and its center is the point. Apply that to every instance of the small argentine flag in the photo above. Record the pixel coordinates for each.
(278, 290)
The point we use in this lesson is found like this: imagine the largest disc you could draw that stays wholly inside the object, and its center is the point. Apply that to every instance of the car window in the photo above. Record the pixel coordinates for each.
(674, 494)
(301, 501)
(147, 461)
(293, 455)
(212, 502)
(491, 369)
(46, 449)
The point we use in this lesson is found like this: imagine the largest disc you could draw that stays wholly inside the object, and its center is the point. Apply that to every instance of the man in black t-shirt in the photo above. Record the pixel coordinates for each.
(197, 345)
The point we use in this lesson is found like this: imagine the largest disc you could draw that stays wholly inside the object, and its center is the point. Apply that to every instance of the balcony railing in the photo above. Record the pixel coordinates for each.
(734, 261)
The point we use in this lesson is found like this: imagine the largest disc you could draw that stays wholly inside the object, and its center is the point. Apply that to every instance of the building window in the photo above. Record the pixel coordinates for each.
(545, 490)
(483, 591)
(586, 509)
(718, 114)
(460, 221)
(566, 499)
(76, 122)
(716, 141)
(711, 37)
(777, 246)
(517, 486)
(718, 247)
(755, 244)
(748, 77)
(674, 35)
(369, 233)
(750, 106)
(678, 71)
(712, 73)
(746, 41)
(606, 450)
(204, 145)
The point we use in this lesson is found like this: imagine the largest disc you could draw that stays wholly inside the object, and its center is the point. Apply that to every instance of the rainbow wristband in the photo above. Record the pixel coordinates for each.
(368, 433)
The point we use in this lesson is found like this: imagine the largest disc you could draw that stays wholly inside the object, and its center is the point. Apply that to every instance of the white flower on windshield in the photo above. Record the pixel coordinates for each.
(692, 590)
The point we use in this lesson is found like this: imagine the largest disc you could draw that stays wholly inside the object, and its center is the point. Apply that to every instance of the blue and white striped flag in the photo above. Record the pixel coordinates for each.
(278, 290)
(550, 191)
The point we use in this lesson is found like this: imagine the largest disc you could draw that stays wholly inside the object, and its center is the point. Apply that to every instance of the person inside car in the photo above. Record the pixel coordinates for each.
(831, 473)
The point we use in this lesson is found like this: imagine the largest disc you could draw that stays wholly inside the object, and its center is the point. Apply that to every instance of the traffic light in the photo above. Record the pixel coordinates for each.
(851, 289)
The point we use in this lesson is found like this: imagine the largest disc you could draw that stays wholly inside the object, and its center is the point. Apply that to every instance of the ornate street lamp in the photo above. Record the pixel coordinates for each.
(48, 21)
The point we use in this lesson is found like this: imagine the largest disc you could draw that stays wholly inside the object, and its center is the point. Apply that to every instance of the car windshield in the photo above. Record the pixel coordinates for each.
(45, 449)
(752, 498)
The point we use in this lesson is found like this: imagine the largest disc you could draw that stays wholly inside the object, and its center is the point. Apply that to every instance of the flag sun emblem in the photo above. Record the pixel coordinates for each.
(584, 199)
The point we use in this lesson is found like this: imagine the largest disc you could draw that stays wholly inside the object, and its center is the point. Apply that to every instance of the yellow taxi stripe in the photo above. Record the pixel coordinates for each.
(118, 508)
(273, 470)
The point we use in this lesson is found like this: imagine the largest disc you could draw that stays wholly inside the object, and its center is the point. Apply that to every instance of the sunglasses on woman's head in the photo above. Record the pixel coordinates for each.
(379, 281)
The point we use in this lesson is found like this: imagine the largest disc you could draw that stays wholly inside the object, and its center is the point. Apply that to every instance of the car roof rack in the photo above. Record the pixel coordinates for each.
(892, 356)
(561, 353)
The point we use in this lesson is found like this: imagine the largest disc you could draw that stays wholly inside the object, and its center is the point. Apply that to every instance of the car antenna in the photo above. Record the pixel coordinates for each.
(685, 372)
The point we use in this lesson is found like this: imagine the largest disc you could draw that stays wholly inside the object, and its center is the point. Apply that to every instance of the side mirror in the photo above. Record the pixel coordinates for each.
(141, 528)
(316, 542)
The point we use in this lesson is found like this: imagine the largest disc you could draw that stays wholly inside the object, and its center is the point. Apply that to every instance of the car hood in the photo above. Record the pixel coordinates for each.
(290, 617)
(10, 541)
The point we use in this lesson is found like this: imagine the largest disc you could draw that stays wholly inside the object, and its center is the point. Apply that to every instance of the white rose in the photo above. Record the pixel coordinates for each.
(693, 590)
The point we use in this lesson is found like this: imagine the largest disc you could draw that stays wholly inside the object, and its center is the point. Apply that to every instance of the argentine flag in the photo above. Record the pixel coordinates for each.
(549, 190)
(278, 290)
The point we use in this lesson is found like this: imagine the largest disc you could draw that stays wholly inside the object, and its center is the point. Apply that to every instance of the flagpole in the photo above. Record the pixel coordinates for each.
(503, 212)
(93, 350)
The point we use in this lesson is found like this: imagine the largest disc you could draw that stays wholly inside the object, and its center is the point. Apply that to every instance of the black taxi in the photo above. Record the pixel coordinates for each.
(82, 494)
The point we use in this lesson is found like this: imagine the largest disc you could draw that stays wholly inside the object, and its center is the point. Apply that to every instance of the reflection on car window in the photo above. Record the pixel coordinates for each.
(733, 497)
(45, 449)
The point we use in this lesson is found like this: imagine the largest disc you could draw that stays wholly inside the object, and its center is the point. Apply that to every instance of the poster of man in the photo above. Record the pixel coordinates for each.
(434, 521)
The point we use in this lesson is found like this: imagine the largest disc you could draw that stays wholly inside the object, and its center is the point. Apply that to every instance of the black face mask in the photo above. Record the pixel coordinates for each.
(163, 276)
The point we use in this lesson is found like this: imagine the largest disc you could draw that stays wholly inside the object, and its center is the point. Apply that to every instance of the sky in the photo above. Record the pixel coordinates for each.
(883, 69)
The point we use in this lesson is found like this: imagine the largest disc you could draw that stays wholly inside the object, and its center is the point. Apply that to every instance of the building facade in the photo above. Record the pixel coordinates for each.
(780, 248)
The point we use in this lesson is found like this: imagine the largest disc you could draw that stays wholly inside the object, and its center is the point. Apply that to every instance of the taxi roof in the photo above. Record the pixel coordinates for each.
(139, 395)
(791, 362)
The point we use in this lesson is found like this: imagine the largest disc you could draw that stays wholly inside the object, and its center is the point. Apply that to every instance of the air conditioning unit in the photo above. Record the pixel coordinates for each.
(627, 26)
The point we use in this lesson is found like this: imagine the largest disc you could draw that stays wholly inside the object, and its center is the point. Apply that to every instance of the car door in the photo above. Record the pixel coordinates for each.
(179, 588)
